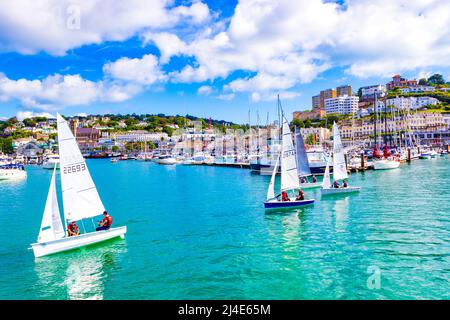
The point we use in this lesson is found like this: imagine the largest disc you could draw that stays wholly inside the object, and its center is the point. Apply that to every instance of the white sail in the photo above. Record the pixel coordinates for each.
(51, 225)
(271, 190)
(289, 172)
(339, 167)
(326, 183)
(80, 196)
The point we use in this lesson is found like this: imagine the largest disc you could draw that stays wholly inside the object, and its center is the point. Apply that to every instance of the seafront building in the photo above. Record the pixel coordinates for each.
(369, 93)
(406, 103)
(423, 122)
(342, 105)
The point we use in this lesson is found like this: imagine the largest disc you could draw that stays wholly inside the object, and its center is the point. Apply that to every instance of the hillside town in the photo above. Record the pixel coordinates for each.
(421, 108)
(396, 111)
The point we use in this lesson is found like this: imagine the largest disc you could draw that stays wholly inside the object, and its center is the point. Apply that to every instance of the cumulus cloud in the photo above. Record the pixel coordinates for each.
(20, 115)
(143, 71)
(285, 43)
(226, 97)
(278, 44)
(55, 26)
(57, 91)
(204, 90)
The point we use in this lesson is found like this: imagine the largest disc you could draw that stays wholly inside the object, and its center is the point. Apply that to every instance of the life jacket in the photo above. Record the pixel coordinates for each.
(107, 221)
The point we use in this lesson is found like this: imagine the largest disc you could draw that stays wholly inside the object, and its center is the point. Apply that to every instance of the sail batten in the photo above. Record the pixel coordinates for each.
(339, 166)
(289, 172)
(80, 197)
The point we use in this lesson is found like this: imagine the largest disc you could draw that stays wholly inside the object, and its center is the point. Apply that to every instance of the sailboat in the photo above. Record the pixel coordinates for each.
(289, 174)
(302, 162)
(339, 168)
(80, 201)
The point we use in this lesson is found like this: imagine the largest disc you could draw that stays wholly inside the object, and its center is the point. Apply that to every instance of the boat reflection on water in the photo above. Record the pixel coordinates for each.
(286, 226)
(341, 214)
(80, 274)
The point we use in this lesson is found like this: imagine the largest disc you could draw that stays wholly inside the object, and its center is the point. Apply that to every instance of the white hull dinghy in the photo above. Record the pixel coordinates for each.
(339, 168)
(64, 244)
(80, 201)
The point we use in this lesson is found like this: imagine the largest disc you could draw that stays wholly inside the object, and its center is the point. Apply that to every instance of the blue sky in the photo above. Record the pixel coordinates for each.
(209, 58)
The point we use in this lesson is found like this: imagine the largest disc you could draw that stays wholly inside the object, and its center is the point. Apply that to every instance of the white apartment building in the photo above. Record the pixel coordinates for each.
(139, 136)
(368, 93)
(417, 89)
(446, 118)
(342, 105)
(411, 102)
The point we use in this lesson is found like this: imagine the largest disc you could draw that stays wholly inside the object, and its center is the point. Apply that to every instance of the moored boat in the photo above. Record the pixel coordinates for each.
(385, 164)
(12, 172)
(166, 160)
(50, 161)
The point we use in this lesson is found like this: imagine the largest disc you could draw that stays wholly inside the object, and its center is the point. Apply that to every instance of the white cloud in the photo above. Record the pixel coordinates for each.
(54, 26)
(57, 91)
(144, 71)
(226, 97)
(271, 96)
(168, 44)
(280, 43)
(198, 12)
(20, 115)
(286, 43)
(204, 90)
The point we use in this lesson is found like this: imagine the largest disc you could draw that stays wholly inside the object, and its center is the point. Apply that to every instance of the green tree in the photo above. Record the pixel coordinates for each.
(310, 139)
(115, 148)
(6, 145)
(168, 130)
(436, 79)
(298, 123)
(423, 82)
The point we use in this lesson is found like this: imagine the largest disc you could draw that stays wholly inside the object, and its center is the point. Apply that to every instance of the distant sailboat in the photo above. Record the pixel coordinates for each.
(303, 163)
(339, 168)
(289, 174)
(80, 201)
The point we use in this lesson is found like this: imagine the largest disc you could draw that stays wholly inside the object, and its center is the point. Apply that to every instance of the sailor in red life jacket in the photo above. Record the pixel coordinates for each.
(284, 196)
(72, 229)
(106, 223)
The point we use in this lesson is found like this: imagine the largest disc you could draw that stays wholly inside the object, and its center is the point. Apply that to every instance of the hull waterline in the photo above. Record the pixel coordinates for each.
(70, 243)
(287, 204)
(330, 191)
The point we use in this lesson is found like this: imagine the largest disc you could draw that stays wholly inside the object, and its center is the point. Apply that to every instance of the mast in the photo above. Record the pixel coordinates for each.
(375, 119)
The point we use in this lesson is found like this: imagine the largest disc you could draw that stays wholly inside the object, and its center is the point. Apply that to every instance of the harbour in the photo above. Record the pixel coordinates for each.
(220, 249)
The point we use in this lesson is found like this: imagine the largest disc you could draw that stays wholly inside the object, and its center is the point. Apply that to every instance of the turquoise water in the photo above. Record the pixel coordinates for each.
(202, 233)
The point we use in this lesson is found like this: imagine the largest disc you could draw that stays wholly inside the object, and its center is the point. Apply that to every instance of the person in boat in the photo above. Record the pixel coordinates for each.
(336, 184)
(314, 179)
(284, 196)
(106, 223)
(301, 195)
(344, 184)
(72, 229)
(302, 180)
